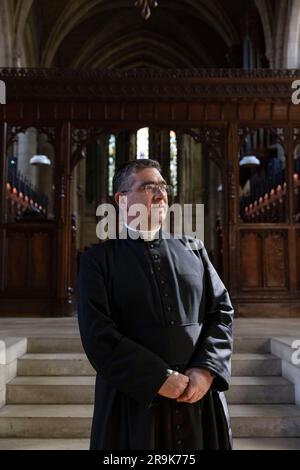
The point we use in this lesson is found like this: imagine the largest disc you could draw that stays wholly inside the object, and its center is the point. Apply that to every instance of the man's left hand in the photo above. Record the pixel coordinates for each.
(199, 384)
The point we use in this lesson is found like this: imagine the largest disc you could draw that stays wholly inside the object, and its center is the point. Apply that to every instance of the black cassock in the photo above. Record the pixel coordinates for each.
(144, 307)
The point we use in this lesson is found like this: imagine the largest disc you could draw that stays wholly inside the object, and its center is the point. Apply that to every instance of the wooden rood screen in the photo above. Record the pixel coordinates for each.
(248, 115)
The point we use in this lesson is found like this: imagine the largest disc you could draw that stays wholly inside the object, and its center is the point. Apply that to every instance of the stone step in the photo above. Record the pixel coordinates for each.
(249, 344)
(55, 364)
(260, 390)
(74, 421)
(61, 390)
(259, 345)
(80, 389)
(265, 443)
(265, 420)
(77, 364)
(246, 443)
(44, 444)
(54, 345)
(249, 364)
(46, 421)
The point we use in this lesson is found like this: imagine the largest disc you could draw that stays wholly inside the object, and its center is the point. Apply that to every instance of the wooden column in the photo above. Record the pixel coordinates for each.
(64, 305)
(289, 171)
(233, 201)
(103, 169)
(3, 178)
(122, 147)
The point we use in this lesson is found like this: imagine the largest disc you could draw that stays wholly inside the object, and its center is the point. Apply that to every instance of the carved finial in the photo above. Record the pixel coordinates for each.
(146, 6)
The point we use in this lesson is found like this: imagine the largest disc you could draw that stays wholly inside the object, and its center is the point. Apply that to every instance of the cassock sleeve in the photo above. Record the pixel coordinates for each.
(127, 365)
(214, 347)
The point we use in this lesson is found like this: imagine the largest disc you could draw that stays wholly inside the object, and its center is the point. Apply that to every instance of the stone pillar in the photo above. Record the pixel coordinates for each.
(214, 191)
(80, 193)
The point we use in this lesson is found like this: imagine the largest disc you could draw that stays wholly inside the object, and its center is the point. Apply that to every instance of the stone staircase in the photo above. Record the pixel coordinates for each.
(49, 403)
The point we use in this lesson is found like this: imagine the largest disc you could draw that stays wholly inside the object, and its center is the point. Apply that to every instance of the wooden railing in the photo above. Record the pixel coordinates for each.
(23, 199)
(268, 208)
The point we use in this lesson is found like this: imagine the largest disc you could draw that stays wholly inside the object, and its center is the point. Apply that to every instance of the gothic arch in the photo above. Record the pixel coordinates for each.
(124, 23)
(70, 16)
(117, 51)
(74, 13)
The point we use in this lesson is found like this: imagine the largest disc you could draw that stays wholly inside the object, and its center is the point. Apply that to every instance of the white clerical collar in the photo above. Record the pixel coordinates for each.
(147, 235)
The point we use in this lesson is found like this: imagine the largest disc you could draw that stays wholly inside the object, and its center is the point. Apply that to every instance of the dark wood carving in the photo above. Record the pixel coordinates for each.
(275, 260)
(30, 258)
(250, 260)
(260, 260)
(147, 84)
(264, 259)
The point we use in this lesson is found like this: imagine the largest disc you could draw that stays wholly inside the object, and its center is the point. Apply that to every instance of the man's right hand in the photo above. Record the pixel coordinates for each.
(174, 386)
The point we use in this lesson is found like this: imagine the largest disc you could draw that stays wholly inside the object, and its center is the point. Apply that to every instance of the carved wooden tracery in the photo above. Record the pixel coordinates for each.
(212, 105)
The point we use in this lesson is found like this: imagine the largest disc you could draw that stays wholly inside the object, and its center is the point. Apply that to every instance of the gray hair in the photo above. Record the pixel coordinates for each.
(125, 170)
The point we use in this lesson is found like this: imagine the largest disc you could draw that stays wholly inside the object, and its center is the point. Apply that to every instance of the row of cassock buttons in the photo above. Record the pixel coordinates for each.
(171, 322)
(162, 282)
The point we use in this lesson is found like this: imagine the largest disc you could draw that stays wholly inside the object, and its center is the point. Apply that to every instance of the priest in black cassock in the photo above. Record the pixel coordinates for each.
(156, 324)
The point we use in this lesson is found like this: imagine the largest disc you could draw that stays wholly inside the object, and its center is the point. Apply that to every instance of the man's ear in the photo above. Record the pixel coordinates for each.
(120, 200)
(117, 197)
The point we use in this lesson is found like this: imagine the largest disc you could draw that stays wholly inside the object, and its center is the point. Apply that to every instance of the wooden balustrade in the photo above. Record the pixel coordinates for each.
(268, 208)
(18, 203)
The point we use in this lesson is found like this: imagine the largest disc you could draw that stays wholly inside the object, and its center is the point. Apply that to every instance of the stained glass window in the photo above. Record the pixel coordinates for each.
(111, 162)
(173, 161)
(143, 143)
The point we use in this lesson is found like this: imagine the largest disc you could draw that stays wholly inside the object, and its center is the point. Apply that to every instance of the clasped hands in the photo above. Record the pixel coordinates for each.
(189, 387)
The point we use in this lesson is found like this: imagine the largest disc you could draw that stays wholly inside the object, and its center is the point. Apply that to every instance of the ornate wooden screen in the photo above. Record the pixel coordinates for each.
(261, 248)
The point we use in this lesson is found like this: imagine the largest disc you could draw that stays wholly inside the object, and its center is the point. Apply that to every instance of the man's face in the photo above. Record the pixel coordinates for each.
(156, 203)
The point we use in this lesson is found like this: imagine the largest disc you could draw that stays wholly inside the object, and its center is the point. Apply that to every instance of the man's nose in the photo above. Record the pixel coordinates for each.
(159, 194)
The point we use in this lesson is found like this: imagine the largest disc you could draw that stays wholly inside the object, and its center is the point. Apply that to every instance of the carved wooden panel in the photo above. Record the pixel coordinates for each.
(214, 111)
(246, 111)
(188, 84)
(263, 111)
(264, 260)
(98, 111)
(163, 111)
(196, 111)
(40, 260)
(275, 260)
(146, 111)
(101, 111)
(80, 110)
(16, 261)
(279, 112)
(29, 261)
(294, 112)
(250, 260)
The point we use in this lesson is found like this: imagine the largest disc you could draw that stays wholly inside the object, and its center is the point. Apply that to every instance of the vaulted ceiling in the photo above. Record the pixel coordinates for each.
(112, 33)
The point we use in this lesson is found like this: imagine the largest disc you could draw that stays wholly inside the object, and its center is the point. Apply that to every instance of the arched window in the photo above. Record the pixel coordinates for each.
(173, 161)
(142, 143)
(111, 162)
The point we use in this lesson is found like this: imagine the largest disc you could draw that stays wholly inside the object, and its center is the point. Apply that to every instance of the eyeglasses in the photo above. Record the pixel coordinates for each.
(152, 188)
